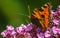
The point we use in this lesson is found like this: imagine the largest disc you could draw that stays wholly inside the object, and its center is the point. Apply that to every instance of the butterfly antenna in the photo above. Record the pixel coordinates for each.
(29, 11)
(28, 14)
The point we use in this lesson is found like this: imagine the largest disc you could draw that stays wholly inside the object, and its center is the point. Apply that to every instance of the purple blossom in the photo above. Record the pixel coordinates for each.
(59, 31)
(55, 30)
(8, 32)
(53, 14)
(41, 35)
(3, 33)
(38, 30)
(20, 30)
(27, 35)
(23, 26)
(58, 8)
(56, 22)
(29, 27)
(9, 27)
(47, 34)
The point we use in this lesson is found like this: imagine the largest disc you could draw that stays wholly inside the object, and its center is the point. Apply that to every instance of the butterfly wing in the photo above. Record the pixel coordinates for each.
(41, 18)
(35, 17)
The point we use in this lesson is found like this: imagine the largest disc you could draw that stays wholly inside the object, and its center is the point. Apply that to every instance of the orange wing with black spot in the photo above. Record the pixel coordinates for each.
(41, 17)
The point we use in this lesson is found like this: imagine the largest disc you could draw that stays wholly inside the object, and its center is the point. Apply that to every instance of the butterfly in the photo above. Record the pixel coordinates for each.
(41, 17)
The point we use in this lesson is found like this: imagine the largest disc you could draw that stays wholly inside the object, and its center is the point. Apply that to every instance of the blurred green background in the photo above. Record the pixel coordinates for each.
(15, 12)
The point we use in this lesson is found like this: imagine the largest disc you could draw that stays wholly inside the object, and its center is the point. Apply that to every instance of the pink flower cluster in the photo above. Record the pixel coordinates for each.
(31, 31)
(55, 15)
(9, 31)
(19, 32)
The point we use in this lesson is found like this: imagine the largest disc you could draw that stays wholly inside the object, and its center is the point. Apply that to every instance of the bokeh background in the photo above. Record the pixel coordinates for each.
(16, 12)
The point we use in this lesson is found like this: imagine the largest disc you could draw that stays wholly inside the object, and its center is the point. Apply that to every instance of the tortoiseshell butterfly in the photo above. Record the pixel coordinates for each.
(41, 18)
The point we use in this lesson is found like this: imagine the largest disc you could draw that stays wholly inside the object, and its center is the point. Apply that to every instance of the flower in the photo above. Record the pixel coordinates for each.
(29, 27)
(55, 30)
(8, 32)
(10, 27)
(41, 35)
(59, 31)
(56, 22)
(3, 33)
(23, 26)
(20, 29)
(38, 30)
(47, 34)
(27, 35)
(58, 8)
